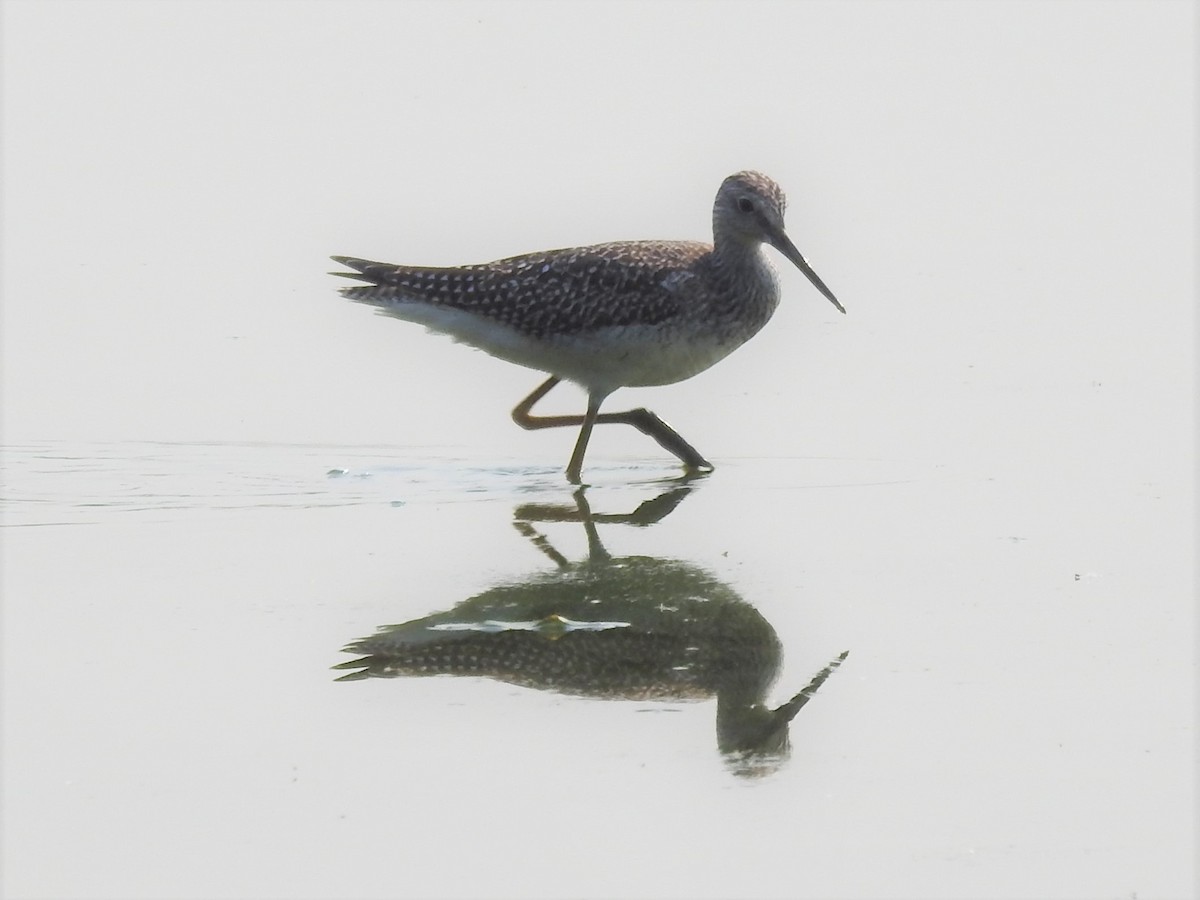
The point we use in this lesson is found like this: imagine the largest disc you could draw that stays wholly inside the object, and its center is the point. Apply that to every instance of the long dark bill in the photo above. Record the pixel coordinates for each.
(785, 246)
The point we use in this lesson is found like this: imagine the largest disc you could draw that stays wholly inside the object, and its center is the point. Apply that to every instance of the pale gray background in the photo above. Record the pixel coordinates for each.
(979, 481)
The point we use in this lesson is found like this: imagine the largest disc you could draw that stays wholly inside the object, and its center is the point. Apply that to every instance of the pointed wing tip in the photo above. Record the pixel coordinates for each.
(359, 266)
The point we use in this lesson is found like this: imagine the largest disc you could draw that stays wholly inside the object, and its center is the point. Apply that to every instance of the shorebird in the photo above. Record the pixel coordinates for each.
(624, 314)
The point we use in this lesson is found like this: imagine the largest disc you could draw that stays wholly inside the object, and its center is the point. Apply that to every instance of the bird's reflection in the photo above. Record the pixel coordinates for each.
(625, 628)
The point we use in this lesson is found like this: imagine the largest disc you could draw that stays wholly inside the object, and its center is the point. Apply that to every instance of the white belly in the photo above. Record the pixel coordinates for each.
(604, 360)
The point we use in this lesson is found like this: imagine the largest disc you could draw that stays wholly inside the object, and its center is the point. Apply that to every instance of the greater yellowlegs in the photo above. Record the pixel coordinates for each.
(626, 314)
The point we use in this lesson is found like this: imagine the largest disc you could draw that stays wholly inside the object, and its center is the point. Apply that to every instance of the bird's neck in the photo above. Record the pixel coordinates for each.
(740, 260)
(747, 274)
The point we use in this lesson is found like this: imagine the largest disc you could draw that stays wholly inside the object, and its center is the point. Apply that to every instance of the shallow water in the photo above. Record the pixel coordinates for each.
(1009, 709)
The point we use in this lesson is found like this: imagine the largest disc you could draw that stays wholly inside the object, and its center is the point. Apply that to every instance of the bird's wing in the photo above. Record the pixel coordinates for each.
(556, 292)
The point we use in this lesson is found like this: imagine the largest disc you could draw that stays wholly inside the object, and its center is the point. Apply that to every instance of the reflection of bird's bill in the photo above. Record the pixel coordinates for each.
(788, 710)
(785, 246)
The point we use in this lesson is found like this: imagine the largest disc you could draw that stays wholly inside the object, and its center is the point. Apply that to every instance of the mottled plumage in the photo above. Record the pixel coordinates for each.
(610, 315)
(548, 294)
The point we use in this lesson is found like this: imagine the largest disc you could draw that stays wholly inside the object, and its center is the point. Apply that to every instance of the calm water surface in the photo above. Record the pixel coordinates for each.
(612, 717)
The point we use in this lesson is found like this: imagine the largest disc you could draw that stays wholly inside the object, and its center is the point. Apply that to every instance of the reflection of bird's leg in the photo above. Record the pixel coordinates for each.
(654, 510)
(642, 419)
(647, 513)
(542, 543)
(596, 551)
(581, 513)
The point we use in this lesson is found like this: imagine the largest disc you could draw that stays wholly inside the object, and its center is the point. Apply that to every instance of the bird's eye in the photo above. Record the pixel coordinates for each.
(745, 205)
